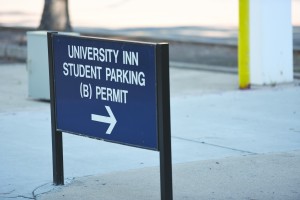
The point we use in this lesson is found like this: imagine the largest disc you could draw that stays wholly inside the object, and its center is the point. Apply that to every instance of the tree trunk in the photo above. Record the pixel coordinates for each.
(55, 16)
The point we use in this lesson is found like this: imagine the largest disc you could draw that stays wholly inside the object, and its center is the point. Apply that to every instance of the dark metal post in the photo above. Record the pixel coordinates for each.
(164, 123)
(57, 145)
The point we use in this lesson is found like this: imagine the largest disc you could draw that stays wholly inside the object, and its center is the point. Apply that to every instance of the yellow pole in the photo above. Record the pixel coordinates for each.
(243, 45)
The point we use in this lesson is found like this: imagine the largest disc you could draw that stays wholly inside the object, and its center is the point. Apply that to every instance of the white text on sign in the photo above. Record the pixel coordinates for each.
(99, 70)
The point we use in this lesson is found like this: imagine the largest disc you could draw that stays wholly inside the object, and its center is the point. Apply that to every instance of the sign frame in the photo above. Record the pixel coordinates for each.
(163, 115)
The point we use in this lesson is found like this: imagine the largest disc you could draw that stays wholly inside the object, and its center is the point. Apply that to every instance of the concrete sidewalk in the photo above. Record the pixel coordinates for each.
(245, 130)
(267, 176)
(226, 144)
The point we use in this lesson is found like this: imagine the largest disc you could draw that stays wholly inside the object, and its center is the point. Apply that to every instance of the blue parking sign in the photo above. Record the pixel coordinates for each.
(106, 89)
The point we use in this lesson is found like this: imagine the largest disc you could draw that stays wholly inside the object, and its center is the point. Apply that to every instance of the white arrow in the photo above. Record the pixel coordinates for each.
(104, 119)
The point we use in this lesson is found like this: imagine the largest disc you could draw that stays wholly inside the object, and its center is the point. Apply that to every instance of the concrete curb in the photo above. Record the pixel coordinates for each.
(219, 54)
(19, 53)
(13, 52)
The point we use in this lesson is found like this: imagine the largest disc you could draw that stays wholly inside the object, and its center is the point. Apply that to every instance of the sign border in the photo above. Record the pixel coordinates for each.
(155, 46)
(163, 115)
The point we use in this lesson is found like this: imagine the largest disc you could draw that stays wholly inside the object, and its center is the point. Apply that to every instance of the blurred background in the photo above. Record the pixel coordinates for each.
(133, 13)
(199, 31)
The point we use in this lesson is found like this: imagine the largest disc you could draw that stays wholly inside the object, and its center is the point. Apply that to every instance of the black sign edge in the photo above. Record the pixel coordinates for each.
(157, 85)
